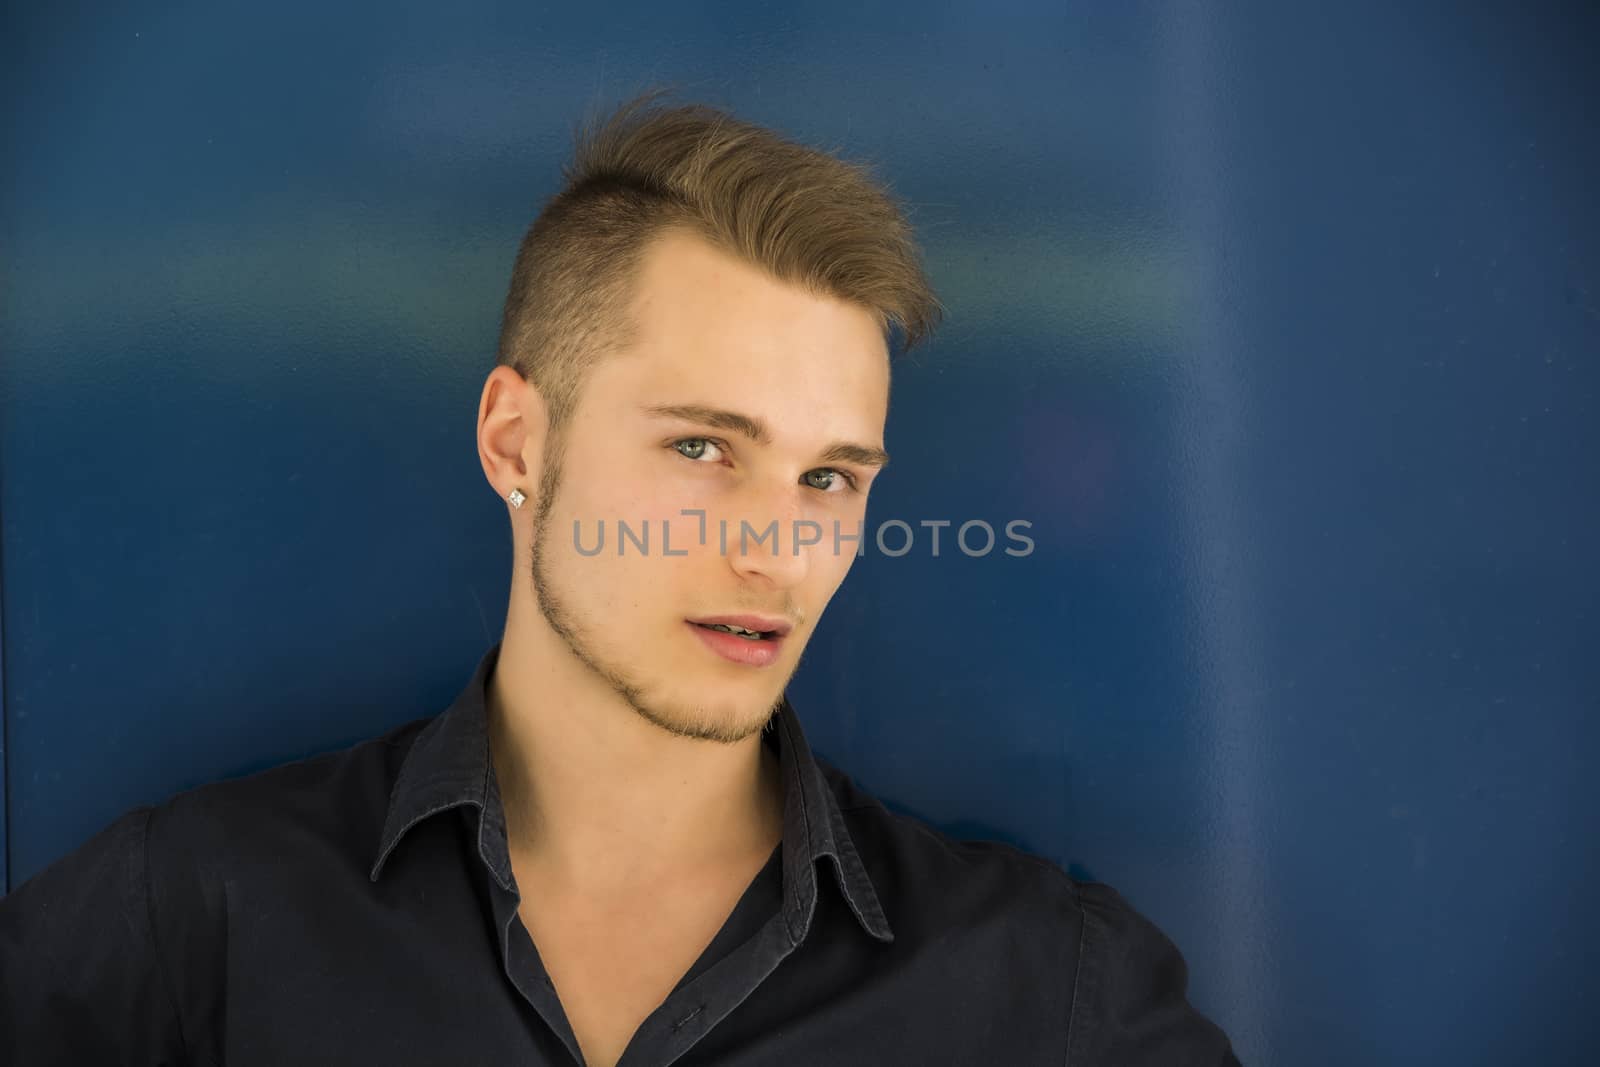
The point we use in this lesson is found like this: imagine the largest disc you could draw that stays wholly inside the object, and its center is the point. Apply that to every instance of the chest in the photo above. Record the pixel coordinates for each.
(613, 961)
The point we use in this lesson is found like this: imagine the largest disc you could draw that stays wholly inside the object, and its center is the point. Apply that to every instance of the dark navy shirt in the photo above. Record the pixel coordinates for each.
(359, 908)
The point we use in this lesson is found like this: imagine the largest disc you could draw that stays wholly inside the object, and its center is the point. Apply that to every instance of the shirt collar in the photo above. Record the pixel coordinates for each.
(448, 766)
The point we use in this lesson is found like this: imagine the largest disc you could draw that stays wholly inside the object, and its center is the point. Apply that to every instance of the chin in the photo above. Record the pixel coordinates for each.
(734, 716)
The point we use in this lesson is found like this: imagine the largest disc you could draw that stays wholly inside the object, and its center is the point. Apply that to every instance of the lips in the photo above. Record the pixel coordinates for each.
(768, 626)
(748, 651)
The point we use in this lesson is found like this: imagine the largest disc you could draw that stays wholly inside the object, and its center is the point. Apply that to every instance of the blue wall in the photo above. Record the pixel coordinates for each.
(1280, 324)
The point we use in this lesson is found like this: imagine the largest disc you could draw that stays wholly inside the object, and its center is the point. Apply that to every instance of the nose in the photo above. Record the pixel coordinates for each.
(772, 542)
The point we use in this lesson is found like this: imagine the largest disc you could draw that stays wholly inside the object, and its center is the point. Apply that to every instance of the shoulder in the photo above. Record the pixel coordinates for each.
(1126, 982)
(903, 845)
(328, 806)
(922, 871)
(125, 938)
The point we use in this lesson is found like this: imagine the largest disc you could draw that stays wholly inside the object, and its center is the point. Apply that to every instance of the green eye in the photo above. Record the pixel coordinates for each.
(834, 479)
(691, 447)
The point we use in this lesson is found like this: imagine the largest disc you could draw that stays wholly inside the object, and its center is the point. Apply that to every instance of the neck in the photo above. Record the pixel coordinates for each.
(599, 797)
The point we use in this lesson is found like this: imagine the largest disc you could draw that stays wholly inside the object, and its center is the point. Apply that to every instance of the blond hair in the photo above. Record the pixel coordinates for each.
(807, 217)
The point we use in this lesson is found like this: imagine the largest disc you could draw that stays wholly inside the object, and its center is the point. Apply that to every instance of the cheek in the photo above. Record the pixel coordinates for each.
(608, 483)
(829, 564)
(659, 500)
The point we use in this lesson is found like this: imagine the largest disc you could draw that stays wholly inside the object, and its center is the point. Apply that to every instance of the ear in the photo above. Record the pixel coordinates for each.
(513, 429)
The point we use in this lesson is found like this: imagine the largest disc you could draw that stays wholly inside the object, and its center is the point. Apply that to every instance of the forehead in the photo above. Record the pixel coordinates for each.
(705, 321)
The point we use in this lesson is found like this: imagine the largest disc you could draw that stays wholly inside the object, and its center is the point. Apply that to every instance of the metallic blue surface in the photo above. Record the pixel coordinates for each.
(1280, 325)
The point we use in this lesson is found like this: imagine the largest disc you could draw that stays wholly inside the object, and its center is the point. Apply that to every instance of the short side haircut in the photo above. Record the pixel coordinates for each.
(805, 216)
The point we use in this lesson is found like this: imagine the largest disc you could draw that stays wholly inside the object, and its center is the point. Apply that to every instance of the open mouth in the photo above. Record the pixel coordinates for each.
(738, 631)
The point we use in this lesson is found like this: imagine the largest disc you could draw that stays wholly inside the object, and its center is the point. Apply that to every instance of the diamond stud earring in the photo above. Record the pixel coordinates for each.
(516, 497)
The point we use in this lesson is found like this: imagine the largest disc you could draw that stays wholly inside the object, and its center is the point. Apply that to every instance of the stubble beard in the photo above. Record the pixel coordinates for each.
(579, 639)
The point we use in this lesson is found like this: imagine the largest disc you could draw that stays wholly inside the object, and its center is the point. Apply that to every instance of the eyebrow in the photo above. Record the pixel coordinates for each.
(756, 430)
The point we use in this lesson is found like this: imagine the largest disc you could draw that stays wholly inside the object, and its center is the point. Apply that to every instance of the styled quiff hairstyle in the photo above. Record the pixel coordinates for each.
(806, 217)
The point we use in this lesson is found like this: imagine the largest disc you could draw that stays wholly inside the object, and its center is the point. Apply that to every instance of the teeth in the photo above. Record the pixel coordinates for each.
(740, 630)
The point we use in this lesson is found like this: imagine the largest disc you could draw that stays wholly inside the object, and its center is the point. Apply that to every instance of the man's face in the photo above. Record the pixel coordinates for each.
(717, 335)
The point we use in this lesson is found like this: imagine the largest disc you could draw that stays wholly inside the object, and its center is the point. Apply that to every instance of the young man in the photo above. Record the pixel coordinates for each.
(615, 846)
